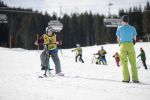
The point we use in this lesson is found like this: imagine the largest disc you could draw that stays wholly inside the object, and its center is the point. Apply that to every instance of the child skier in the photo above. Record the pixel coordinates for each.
(99, 58)
(102, 54)
(78, 53)
(117, 58)
(143, 57)
(49, 40)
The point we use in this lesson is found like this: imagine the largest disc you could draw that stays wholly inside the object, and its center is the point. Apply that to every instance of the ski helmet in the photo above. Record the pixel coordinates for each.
(49, 29)
(78, 45)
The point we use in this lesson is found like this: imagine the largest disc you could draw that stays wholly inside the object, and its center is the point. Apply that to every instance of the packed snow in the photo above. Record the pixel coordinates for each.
(19, 71)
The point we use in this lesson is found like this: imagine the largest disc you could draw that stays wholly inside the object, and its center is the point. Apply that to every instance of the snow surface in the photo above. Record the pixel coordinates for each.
(19, 70)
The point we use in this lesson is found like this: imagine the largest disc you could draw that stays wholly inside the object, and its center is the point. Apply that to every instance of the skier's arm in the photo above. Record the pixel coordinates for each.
(139, 55)
(134, 40)
(40, 41)
(58, 41)
(105, 52)
(118, 39)
(134, 37)
(96, 53)
(74, 50)
(114, 56)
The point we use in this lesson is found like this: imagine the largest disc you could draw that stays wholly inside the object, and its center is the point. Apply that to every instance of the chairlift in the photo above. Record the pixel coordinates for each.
(3, 18)
(56, 25)
(112, 22)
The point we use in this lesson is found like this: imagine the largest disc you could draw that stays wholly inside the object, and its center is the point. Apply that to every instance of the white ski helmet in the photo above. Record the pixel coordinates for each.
(49, 29)
(78, 45)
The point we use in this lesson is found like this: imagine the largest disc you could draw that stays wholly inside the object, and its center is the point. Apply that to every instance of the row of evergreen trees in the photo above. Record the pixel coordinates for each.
(85, 28)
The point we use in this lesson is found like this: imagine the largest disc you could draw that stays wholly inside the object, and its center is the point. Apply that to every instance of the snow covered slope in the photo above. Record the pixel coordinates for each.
(19, 70)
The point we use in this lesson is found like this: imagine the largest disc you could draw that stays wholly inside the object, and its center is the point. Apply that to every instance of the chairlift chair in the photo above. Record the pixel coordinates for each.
(56, 25)
(112, 22)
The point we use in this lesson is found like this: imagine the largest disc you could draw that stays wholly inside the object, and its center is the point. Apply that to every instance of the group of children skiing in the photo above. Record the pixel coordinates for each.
(126, 36)
(98, 60)
(101, 59)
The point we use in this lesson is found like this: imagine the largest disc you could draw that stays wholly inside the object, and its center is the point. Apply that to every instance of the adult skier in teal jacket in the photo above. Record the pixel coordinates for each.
(126, 35)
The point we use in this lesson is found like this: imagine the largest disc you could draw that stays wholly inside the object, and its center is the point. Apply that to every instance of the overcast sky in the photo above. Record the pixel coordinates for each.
(76, 6)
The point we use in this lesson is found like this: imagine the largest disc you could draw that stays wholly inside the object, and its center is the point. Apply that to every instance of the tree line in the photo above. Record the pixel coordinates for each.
(86, 28)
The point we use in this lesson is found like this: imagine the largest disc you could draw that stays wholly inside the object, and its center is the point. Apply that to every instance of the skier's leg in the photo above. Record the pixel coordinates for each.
(144, 64)
(42, 58)
(76, 58)
(117, 63)
(56, 62)
(102, 59)
(49, 69)
(124, 62)
(105, 60)
(47, 64)
(132, 60)
(99, 59)
(96, 60)
(81, 59)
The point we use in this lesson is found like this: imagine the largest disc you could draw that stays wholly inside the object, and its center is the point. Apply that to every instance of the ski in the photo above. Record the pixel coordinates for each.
(50, 75)
(47, 76)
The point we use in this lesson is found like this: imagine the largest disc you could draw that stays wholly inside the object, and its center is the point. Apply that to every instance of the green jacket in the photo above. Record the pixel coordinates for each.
(142, 55)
